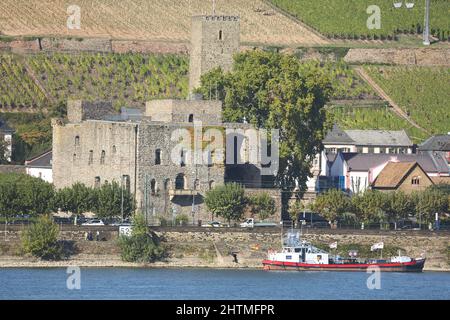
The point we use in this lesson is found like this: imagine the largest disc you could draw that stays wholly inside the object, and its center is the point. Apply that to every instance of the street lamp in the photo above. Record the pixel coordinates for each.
(409, 5)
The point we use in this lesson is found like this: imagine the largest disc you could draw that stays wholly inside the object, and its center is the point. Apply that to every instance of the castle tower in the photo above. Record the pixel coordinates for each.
(215, 39)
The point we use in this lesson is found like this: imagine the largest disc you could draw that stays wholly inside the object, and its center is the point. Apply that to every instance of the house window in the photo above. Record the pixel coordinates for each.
(191, 118)
(102, 157)
(415, 181)
(77, 140)
(97, 182)
(158, 157)
(91, 157)
(220, 35)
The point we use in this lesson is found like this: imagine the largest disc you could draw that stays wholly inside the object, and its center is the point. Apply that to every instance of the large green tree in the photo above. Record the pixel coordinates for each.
(399, 205)
(430, 202)
(109, 201)
(332, 204)
(226, 201)
(370, 206)
(262, 204)
(277, 91)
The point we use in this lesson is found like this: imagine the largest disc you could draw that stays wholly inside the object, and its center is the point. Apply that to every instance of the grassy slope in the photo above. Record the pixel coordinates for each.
(348, 17)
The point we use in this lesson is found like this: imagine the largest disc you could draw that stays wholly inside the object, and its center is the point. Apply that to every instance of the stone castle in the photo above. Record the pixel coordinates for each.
(137, 148)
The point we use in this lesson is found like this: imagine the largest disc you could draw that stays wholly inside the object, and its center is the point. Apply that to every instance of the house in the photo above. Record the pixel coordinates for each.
(41, 166)
(437, 144)
(355, 172)
(402, 176)
(367, 141)
(6, 134)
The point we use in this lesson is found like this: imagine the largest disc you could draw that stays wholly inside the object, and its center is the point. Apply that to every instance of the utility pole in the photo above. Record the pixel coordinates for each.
(426, 31)
(121, 200)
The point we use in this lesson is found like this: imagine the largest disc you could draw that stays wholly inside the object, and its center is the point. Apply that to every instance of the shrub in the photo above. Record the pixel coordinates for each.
(40, 239)
(182, 219)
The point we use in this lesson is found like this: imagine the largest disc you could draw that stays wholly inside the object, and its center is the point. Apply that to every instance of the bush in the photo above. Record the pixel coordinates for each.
(182, 220)
(140, 246)
(40, 239)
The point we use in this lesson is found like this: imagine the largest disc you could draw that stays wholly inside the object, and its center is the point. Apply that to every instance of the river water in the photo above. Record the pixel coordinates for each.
(214, 284)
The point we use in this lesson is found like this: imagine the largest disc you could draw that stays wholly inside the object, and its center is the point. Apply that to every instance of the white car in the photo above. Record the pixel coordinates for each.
(94, 222)
(214, 224)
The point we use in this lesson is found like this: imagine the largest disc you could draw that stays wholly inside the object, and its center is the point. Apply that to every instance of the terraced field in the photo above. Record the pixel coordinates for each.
(423, 93)
(347, 18)
(164, 20)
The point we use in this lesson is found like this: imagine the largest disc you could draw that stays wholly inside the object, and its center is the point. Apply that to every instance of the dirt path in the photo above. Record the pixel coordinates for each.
(395, 107)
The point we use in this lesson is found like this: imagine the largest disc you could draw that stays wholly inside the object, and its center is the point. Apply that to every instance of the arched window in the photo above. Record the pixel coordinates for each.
(158, 157)
(102, 157)
(97, 182)
(180, 182)
(196, 184)
(220, 35)
(114, 149)
(77, 140)
(211, 184)
(153, 186)
(191, 118)
(167, 184)
(74, 157)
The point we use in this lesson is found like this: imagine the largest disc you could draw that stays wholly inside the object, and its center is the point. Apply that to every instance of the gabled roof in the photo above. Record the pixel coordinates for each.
(43, 160)
(337, 136)
(436, 143)
(430, 162)
(394, 173)
(380, 138)
(441, 180)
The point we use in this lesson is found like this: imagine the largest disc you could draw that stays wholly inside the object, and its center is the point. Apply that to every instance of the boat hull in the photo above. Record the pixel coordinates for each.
(412, 266)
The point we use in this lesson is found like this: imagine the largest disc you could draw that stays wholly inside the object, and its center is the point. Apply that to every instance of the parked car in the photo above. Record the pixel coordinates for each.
(214, 224)
(318, 224)
(94, 222)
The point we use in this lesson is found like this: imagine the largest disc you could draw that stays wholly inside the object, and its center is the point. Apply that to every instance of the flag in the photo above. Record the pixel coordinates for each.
(376, 246)
(333, 245)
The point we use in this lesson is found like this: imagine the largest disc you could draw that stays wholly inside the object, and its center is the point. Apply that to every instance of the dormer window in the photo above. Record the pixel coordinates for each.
(415, 181)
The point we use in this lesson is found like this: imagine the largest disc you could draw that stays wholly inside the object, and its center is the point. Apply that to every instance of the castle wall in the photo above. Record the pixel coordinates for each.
(74, 162)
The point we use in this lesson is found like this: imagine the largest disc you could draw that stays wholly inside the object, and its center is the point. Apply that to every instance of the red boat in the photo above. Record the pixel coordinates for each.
(302, 255)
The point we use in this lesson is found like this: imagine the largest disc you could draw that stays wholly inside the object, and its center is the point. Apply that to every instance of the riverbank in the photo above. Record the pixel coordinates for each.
(213, 248)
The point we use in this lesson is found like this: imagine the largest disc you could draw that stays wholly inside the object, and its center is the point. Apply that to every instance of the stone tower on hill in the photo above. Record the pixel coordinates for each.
(215, 39)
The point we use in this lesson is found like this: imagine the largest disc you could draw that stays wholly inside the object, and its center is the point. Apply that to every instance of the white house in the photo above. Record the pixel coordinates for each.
(357, 171)
(41, 166)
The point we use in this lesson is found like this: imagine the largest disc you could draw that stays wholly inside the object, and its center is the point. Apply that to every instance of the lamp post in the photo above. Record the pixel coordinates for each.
(426, 31)
(121, 198)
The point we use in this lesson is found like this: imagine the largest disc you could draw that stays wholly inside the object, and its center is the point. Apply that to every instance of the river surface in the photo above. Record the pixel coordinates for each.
(216, 284)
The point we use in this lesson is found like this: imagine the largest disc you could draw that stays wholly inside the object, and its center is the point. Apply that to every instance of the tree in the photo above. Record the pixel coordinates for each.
(77, 199)
(262, 204)
(370, 206)
(41, 239)
(332, 204)
(226, 201)
(3, 151)
(276, 91)
(109, 201)
(295, 210)
(398, 206)
(430, 202)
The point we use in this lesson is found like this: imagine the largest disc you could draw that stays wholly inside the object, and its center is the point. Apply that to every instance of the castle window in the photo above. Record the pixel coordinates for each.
(211, 158)
(91, 156)
(77, 140)
(167, 184)
(74, 157)
(220, 35)
(158, 157)
(180, 182)
(97, 182)
(415, 181)
(196, 184)
(102, 157)
(153, 186)
(191, 118)
(114, 149)
(211, 184)
(182, 159)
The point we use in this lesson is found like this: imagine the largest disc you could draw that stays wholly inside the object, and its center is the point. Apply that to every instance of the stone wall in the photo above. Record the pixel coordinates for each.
(125, 46)
(12, 169)
(76, 45)
(420, 57)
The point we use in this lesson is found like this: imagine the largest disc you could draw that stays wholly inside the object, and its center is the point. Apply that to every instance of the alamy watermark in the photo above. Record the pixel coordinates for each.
(73, 281)
(374, 280)
(74, 19)
(374, 20)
